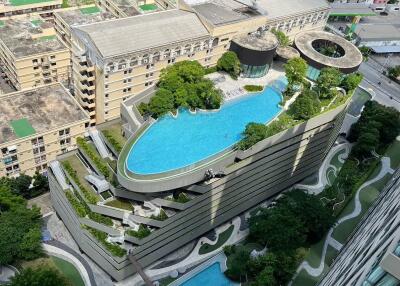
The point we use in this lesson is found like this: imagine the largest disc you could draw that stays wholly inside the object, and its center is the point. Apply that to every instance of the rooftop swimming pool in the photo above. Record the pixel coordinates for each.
(175, 142)
(212, 275)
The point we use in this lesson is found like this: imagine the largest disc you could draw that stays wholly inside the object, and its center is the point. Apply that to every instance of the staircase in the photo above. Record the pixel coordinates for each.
(98, 142)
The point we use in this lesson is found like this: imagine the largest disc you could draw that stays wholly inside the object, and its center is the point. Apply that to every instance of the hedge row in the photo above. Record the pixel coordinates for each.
(102, 238)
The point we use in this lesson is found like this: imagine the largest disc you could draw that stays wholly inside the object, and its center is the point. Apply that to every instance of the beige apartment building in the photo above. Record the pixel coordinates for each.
(113, 60)
(66, 18)
(31, 54)
(36, 125)
(18, 7)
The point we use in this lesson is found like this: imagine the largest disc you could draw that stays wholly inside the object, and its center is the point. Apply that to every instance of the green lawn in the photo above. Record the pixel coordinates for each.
(222, 238)
(115, 132)
(81, 171)
(148, 7)
(69, 271)
(120, 204)
(26, 2)
(394, 153)
(303, 279)
(313, 256)
(335, 159)
(367, 197)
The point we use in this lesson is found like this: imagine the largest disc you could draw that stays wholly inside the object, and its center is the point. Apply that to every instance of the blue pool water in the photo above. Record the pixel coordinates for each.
(172, 143)
(212, 275)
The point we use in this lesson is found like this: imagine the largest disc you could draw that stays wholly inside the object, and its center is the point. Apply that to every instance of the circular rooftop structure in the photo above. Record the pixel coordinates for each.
(255, 52)
(322, 49)
(287, 53)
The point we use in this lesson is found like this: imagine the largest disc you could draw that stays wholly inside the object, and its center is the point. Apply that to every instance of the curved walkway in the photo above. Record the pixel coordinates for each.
(59, 249)
(315, 272)
(323, 179)
(194, 258)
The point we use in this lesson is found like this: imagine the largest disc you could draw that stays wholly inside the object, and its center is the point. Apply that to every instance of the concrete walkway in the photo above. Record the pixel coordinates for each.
(6, 273)
(315, 272)
(323, 171)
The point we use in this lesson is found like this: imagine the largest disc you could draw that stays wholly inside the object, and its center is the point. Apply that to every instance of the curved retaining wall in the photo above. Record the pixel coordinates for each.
(268, 168)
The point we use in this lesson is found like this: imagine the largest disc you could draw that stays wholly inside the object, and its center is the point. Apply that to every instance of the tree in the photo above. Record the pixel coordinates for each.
(305, 105)
(394, 72)
(21, 185)
(316, 218)
(296, 71)
(161, 103)
(278, 229)
(40, 277)
(253, 133)
(328, 78)
(283, 40)
(352, 81)
(19, 229)
(238, 264)
(229, 62)
(366, 143)
(365, 51)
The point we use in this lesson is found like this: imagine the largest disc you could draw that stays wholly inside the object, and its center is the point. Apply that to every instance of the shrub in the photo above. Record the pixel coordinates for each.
(283, 40)
(79, 209)
(254, 132)
(161, 216)
(210, 70)
(142, 232)
(101, 236)
(253, 88)
(110, 138)
(305, 105)
(181, 198)
(96, 159)
(229, 62)
(89, 196)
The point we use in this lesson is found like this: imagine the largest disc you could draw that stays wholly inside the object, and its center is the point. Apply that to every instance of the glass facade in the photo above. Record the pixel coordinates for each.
(254, 71)
(312, 73)
(379, 277)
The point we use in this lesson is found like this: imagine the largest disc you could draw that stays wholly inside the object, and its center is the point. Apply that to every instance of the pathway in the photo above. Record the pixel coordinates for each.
(323, 179)
(330, 241)
(194, 258)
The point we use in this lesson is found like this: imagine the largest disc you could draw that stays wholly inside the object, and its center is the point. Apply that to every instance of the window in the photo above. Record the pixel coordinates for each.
(106, 95)
(106, 104)
(36, 67)
(106, 86)
(35, 61)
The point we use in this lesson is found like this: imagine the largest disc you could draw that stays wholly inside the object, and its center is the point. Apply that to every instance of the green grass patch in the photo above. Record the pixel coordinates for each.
(335, 159)
(105, 195)
(304, 279)
(90, 10)
(47, 38)
(114, 136)
(142, 232)
(22, 127)
(26, 2)
(313, 256)
(101, 236)
(148, 7)
(69, 271)
(222, 238)
(253, 88)
(393, 151)
(120, 204)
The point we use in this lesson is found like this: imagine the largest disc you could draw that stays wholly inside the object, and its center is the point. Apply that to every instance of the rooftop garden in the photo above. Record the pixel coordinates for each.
(142, 232)
(120, 204)
(180, 198)
(310, 100)
(113, 135)
(101, 236)
(182, 85)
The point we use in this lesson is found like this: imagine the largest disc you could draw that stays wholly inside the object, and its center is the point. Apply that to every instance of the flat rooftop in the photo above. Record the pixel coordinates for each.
(85, 15)
(261, 42)
(347, 9)
(132, 34)
(127, 6)
(30, 2)
(23, 37)
(226, 11)
(219, 14)
(38, 110)
(378, 32)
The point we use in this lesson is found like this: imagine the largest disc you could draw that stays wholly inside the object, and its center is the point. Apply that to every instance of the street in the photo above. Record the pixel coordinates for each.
(388, 92)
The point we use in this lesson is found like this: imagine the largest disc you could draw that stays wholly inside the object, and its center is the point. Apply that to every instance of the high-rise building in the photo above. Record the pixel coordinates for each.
(31, 54)
(371, 256)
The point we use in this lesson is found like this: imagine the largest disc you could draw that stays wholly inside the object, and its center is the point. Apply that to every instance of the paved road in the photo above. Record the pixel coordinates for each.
(388, 92)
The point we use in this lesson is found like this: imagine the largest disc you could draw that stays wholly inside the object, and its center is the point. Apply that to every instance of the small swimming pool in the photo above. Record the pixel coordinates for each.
(175, 142)
(212, 275)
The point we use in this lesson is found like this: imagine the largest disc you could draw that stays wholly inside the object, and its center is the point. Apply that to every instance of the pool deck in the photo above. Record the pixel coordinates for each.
(230, 86)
